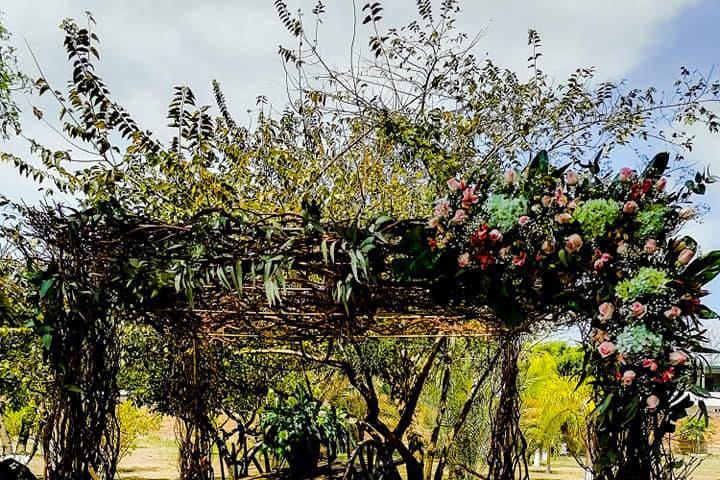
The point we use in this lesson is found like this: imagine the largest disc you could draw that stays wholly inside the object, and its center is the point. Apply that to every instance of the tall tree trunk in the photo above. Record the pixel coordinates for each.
(507, 445)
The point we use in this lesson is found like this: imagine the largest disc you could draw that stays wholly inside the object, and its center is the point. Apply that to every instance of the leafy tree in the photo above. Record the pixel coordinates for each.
(135, 423)
(555, 408)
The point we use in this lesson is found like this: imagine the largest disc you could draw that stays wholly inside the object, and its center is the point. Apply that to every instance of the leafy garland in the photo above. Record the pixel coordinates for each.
(607, 249)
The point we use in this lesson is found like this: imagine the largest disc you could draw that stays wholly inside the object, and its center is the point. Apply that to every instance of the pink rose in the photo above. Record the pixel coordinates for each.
(434, 222)
(598, 265)
(469, 197)
(546, 200)
(442, 208)
(650, 364)
(605, 257)
(510, 176)
(459, 216)
(661, 183)
(638, 309)
(463, 260)
(560, 198)
(495, 235)
(573, 243)
(523, 220)
(454, 184)
(673, 312)
(685, 256)
(571, 178)
(563, 218)
(606, 310)
(519, 259)
(548, 246)
(630, 207)
(678, 357)
(626, 173)
(650, 246)
(606, 349)
(628, 377)
(652, 402)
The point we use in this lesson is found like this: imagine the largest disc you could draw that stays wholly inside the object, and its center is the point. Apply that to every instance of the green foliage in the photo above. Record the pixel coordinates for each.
(596, 214)
(651, 220)
(692, 435)
(557, 409)
(135, 423)
(504, 211)
(298, 425)
(647, 281)
(12, 82)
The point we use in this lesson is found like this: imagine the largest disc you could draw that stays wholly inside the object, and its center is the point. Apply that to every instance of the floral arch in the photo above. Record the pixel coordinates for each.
(504, 253)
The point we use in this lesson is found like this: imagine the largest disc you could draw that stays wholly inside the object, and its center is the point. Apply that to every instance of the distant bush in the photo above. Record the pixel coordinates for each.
(692, 436)
(135, 422)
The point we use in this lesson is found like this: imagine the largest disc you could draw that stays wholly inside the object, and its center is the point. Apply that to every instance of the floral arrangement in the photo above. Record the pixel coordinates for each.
(606, 248)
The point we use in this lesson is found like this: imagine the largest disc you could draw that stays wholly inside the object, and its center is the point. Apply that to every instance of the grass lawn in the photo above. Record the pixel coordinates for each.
(155, 459)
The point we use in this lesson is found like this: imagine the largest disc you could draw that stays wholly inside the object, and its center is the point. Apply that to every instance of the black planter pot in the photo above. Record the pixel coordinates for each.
(303, 459)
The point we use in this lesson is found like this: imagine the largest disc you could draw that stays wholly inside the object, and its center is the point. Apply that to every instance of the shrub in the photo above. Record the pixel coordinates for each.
(135, 422)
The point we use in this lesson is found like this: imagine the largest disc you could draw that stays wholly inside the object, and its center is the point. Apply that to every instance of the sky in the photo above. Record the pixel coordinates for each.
(187, 42)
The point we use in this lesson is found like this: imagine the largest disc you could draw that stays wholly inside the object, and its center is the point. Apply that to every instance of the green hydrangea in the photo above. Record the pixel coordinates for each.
(638, 340)
(647, 281)
(595, 215)
(503, 211)
(651, 221)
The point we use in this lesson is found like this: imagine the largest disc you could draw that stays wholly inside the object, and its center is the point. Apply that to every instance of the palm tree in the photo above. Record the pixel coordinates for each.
(555, 407)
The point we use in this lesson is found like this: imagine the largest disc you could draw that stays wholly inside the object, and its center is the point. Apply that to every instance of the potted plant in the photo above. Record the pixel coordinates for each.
(296, 427)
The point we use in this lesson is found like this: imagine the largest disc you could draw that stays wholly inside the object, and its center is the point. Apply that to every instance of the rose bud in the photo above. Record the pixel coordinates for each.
(606, 310)
(573, 243)
(463, 260)
(638, 309)
(650, 364)
(548, 247)
(510, 176)
(459, 216)
(546, 200)
(685, 256)
(454, 184)
(650, 246)
(563, 218)
(495, 235)
(606, 349)
(524, 219)
(630, 207)
(571, 178)
(673, 312)
(678, 357)
(652, 402)
(626, 173)
(628, 377)
(661, 183)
